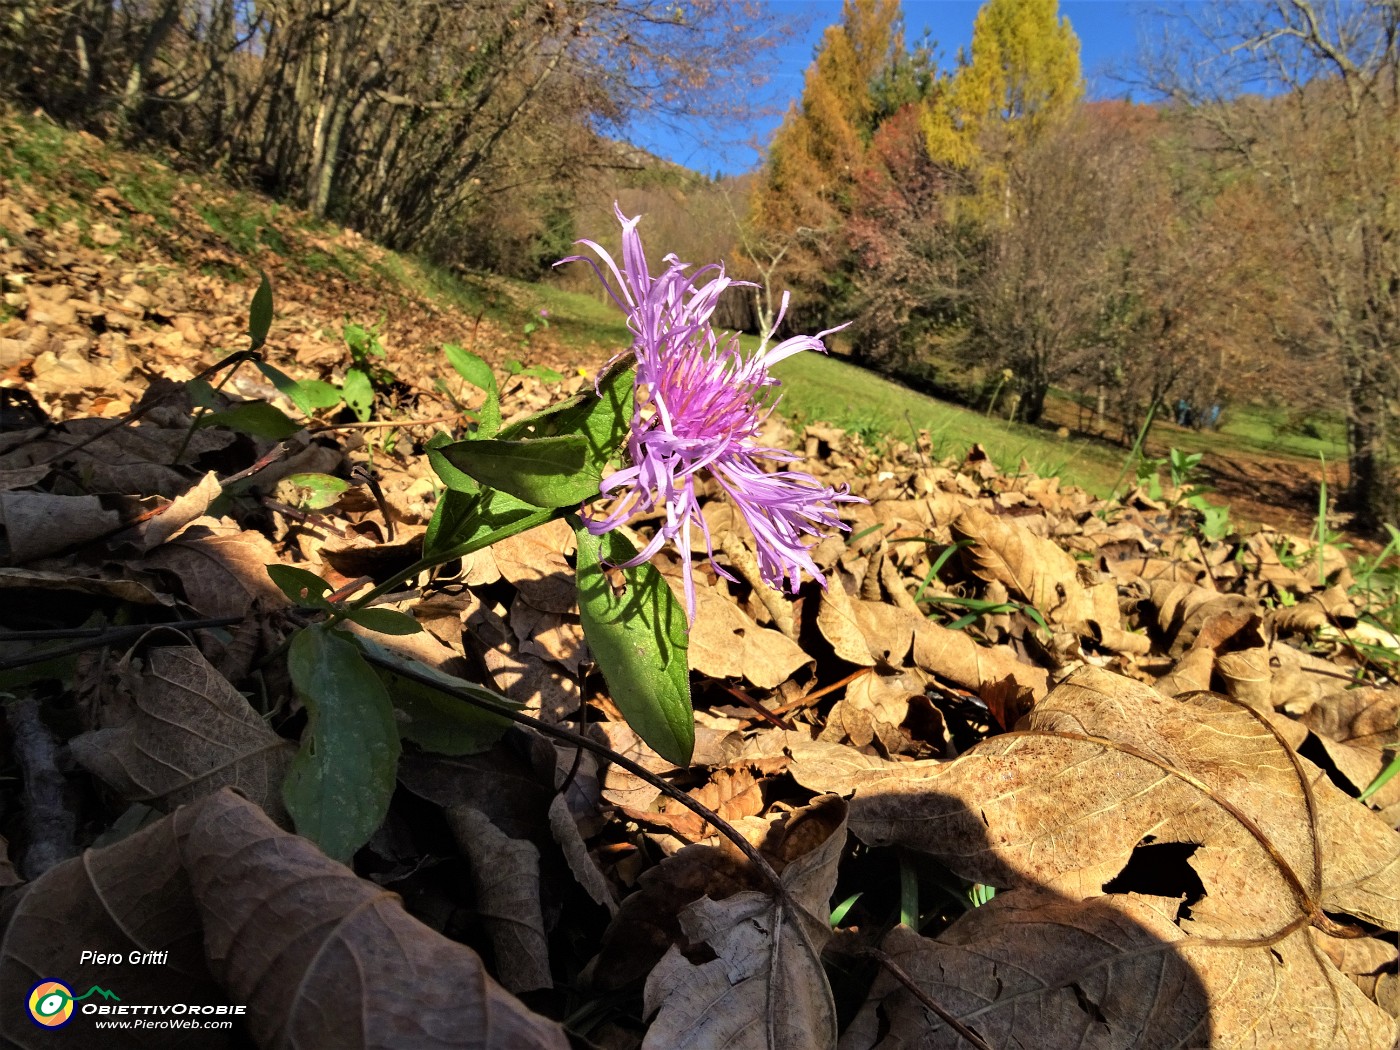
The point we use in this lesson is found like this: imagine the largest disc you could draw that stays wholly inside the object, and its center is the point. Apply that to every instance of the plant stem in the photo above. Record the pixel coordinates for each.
(1132, 456)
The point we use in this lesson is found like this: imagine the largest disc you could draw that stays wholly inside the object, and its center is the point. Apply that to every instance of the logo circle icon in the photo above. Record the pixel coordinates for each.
(51, 1004)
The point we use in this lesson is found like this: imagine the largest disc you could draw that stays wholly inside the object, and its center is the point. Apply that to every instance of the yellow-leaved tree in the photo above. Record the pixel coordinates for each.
(804, 192)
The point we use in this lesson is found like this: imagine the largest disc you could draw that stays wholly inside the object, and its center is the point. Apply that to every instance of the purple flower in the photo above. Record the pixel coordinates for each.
(700, 403)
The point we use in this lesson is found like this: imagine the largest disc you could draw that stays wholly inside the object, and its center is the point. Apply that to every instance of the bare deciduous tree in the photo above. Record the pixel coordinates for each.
(1305, 97)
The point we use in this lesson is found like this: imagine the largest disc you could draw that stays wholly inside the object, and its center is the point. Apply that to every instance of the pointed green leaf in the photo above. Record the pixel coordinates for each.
(302, 586)
(451, 515)
(449, 475)
(385, 621)
(640, 640)
(307, 394)
(359, 394)
(317, 491)
(601, 419)
(546, 472)
(260, 313)
(257, 418)
(340, 782)
(478, 373)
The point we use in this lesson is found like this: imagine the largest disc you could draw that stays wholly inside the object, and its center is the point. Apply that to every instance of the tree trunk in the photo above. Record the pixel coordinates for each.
(1373, 495)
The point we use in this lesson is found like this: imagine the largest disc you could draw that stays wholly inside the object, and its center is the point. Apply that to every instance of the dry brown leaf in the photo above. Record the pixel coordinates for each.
(726, 643)
(1106, 763)
(647, 923)
(766, 988)
(183, 509)
(506, 875)
(1199, 617)
(823, 766)
(134, 896)
(222, 568)
(1269, 678)
(1191, 673)
(189, 734)
(537, 563)
(95, 583)
(864, 633)
(349, 942)
(1107, 766)
(1035, 569)
(548, 635)
(35, 524)
(542, 689)
(874, 709)
(128, 460)
(1036, 970)
(1353, 725)
(1008, 685)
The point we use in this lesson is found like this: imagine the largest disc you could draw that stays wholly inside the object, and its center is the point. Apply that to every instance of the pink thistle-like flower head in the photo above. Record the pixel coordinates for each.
(700, 404)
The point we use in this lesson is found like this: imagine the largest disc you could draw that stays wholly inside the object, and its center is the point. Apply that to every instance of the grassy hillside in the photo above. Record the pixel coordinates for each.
(97, 214)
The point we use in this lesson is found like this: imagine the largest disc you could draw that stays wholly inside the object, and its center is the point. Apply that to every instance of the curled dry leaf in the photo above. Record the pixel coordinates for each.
(191, 733)
(1106, 767)
(765, 988)
(506, 874)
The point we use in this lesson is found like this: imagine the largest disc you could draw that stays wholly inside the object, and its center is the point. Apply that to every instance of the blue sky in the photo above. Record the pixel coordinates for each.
(1108, 40)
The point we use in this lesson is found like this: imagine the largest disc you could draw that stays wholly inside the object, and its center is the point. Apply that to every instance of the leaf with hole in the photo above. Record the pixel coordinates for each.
(302, 586)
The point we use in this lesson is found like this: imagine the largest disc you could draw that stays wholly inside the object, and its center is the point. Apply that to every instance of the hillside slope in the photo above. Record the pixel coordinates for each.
(118, 267)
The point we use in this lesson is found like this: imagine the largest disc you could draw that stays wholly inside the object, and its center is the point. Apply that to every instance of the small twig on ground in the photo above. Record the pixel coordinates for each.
(52, 828)
(812, 697)
(899, 974)
(757, 859)
(136, 413)
(321, 428)
(362, 474)
(99, 639)
(758, 708)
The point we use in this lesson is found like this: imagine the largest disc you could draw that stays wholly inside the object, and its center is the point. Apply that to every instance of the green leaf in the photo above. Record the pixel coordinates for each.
(385, 621)
(454, 479)
(602, 418)
(359, 394)
(301, 586)
(257, 418)
(260, 313)
(317, 491)
(340, 782)
(546, 472)
(478, 373)
(542, 373)
(201, 393)
(640, 641)
(434, 718)
(464, 523)
(451, 516)
(307, 394)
